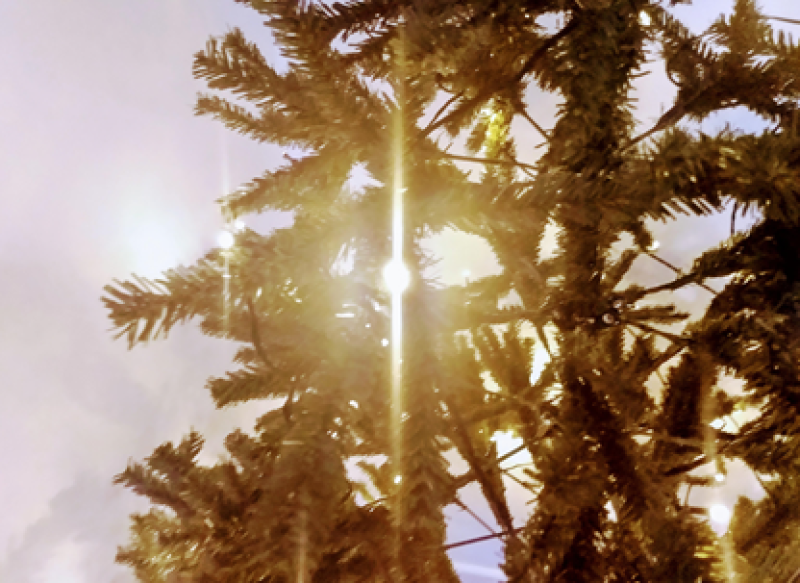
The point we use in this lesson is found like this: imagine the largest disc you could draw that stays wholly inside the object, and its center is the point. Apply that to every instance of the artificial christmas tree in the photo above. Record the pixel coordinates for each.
(380, 85)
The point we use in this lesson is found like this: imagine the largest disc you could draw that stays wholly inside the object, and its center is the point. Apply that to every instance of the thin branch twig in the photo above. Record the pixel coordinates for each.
(789, 21)
(442, 109)
(495, 161)
(666, 263)
(669, 336)
(522, 110)
(481, 539)
(487, 92)
(469, 511)
(468, 477)
(508, 473)
(497, 502)
(510, 454)
(672, 116)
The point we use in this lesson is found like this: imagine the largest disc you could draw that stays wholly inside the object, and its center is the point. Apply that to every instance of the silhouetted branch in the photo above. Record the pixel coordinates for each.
(481, 539)
(790, 21)
(494, 161)
(487, 92)
(666, 263)
(522, 110)
(441, 110)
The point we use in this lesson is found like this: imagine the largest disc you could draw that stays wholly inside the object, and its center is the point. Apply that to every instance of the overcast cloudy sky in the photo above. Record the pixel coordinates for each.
(104, 172)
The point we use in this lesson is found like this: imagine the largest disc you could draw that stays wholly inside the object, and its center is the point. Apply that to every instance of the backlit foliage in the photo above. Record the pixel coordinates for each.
(612, 446)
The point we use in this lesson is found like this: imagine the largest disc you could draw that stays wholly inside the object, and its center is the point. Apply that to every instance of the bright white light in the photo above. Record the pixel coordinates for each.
(354, 404)
(717, 423)
(720, 517)
(239, 225)
(396, 276)
(398, 479)
(644, 18)
(384, 342)
(466, 273)
(226, 239)
(654, 246)
(719, 477)
(345, 315)
(612, 513)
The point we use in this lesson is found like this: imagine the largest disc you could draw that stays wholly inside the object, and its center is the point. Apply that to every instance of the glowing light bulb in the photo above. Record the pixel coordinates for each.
(385, 342)
(396, 276)
(644, 18)
(226, 239)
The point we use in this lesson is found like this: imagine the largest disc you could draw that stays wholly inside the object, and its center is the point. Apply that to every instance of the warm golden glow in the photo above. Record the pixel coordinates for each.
(225, 239)
(398, 189)
(397, 276)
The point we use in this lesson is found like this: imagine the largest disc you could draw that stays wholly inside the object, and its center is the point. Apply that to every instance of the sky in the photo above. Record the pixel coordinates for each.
(104, 172)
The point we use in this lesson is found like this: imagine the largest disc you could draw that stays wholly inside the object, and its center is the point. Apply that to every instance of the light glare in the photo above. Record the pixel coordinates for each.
(226, 239)
(396, 276)
(720, 517)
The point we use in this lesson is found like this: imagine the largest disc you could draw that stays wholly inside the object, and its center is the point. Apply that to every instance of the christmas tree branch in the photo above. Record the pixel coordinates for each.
(666, 263)
(496, 501)
(523, 111)
(665, 356)
(672, 116)
(669, 336)
(494, 161)
(783, 19)
(511, 454)
(507, 472)
(469, 511)
(255, 336)
(480, 539)
(256, 339)
(468, 477)
(441, 110)
(486, 92)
